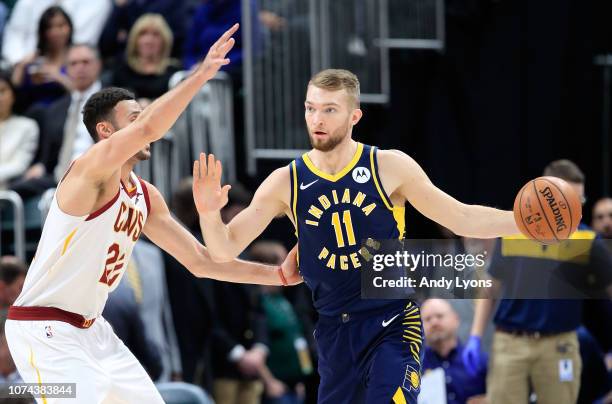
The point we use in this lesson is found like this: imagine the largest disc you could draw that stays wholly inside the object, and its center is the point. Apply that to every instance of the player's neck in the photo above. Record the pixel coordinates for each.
(335, 160)
(126, 170)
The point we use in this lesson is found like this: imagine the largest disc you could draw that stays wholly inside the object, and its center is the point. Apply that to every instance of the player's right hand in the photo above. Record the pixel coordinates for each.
(216, 54)
(290, 268)
(471, 355)
(208, 195)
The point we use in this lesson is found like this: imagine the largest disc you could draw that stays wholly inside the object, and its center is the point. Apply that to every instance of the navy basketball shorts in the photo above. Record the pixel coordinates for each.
(371, 357)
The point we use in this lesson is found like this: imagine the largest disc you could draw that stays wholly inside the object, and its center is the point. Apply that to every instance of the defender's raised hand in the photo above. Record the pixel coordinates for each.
(216, 54)
(208, 194)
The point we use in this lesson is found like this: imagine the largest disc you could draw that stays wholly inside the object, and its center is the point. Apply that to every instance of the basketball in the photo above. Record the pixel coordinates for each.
(547, 209)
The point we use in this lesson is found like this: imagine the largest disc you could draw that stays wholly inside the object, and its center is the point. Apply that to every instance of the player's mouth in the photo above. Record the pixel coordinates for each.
(319, 133)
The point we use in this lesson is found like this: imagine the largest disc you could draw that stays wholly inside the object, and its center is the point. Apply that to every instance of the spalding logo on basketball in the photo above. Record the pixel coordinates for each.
(547, 209)
(361, 175)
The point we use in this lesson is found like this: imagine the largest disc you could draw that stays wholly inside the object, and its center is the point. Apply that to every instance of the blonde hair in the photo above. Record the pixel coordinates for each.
(157, 22)
(338, 79)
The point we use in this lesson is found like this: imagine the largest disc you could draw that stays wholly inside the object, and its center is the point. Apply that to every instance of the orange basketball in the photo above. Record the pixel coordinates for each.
(547, 209)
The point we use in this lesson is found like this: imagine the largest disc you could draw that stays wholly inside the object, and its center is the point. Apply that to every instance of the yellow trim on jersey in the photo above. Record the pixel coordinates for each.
(67, 241)
(44, 399)
(375, 176)
(339, 174)
(295, 193)
(565, 251)
(399, 212)
(398, 397)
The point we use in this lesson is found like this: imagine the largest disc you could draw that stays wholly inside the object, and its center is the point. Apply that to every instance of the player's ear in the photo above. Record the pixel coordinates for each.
(356, 116)
(104, 129)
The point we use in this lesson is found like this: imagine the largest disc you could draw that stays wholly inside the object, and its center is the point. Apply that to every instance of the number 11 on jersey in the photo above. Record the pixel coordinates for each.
(348, 224)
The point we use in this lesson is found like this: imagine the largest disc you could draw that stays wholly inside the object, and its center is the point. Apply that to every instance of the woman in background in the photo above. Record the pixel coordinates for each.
(18, 135)
(147, 67)
(41, 77)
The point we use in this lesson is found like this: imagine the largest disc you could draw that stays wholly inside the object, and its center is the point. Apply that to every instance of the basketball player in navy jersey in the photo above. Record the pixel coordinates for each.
(337, 194)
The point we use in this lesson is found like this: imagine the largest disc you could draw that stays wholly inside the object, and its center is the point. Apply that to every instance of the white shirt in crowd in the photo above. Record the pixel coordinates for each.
(21, 32)
(83, 140)
(18, 144)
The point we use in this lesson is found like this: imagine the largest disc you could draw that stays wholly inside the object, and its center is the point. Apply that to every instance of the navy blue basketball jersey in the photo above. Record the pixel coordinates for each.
(333, 215)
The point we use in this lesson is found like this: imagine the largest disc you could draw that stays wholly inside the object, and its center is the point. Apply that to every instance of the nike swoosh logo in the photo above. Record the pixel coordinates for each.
(303, 187)
(387, 322)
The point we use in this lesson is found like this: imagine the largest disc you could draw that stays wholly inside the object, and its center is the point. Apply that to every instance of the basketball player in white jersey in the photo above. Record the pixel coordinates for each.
(55, 330)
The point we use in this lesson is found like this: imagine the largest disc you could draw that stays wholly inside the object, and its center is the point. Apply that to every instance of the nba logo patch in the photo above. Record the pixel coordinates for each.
(412, 379)
(48, 331)
(361, 175)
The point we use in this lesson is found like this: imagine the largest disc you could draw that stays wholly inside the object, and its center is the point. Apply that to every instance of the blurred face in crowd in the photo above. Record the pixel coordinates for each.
(440, 321)
(7, 99)
(83, 67)
(124, 113)
(10, 292)
(602, 217)
(150, 43)
(330, 117)
(58, 32)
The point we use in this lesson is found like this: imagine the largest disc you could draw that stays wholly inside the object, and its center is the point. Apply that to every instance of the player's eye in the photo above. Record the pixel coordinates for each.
(309, 109)
(330, 110)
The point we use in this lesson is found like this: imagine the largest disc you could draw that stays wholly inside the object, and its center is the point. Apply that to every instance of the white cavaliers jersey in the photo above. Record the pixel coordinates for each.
(80, 260)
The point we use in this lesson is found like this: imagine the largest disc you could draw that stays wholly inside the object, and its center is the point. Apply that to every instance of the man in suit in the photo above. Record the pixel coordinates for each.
(63, 133)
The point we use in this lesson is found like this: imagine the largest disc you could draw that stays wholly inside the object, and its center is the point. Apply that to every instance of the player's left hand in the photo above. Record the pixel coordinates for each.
(208, 195)
(290, 268)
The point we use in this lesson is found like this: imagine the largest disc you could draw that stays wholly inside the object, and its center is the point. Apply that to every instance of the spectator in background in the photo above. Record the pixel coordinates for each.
(12, 276)
(191, 299)
(122, 311)
(63, 133)
(18, 136)
(240, 334)
(289, 362)
(146, 277)
(41, 76)
(602, 217)
(535, 343)
(444, 350)
(125, 13)
(8, 370)
(147, 66)
(211, 18)
(20, 33)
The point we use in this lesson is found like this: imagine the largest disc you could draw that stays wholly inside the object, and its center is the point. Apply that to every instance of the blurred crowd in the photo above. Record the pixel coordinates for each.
(243, 343)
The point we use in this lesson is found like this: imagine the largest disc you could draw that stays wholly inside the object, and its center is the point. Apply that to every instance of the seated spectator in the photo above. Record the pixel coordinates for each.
(122, 311)
(191, 299)
(12, 276)
(147, 279)
(147, 66)
(125, 13)
(20, 33)
(289, 362)
(602, 217)
(444, 350)
(63, 133)
(211, 19)
(18, 136)
(8, 370)
(41, 76)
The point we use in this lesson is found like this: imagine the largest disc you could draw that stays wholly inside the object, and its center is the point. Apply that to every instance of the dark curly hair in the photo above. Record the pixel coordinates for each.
(45, 22)
(99, 107)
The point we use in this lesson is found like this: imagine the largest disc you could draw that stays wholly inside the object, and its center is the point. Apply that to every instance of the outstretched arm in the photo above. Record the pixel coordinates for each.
(153, 123)
(405, 176)
(226, 242)
(163, 230)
